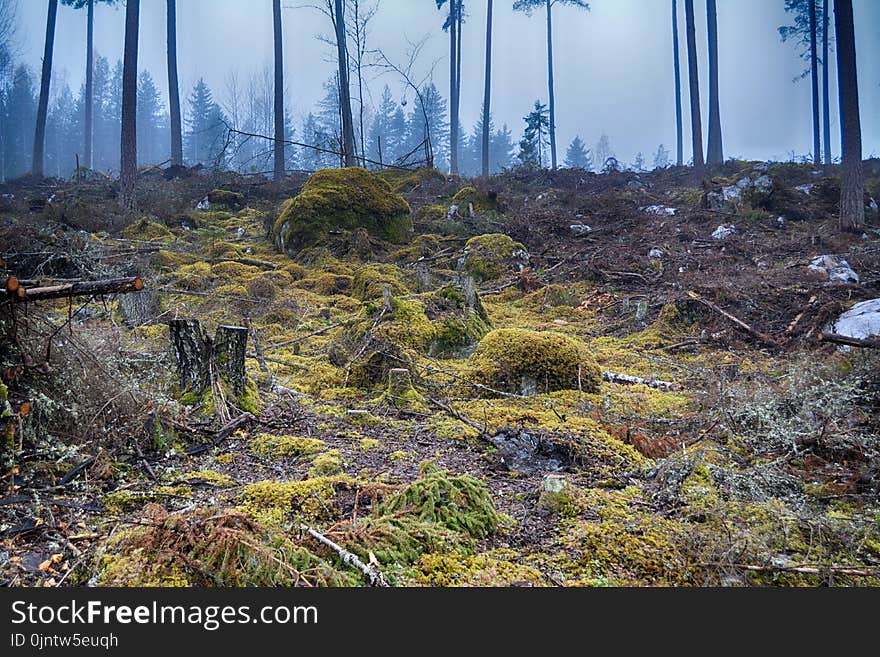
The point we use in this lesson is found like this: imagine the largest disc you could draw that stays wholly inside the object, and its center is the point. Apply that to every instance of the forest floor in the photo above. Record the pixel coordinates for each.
(759, 463)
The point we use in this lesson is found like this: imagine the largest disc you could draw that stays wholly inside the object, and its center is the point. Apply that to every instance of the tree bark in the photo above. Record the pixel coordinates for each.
(43, 104)
(694, 84)
(90, 87)
(676, 65)
(814, 79)
(173, 87)
(128, 138)
(348, 154)
(552, 100)
(852, 184)
(192, 351)
(826, 102)
(230, 347)
(715, 149)
(453, 78)
(81, 288)
(278, 169)
(487, 91)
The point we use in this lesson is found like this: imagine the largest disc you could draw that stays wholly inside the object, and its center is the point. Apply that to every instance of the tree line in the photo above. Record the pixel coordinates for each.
(332, 136)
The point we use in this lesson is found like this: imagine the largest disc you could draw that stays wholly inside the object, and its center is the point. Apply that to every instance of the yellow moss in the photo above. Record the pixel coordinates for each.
(335, 199)
(369, 443)
(124, 499)
(312, 499)
(469, 198)
(495, 568)
(326, 464)
(147, 230)
(405, 180)
(370, 282)
(268, 285)
(422, 246)
(235, 271)
(172, 259)
(492, 256)
(401, 455)
(447, 428)
(271, 446)
(517, 360)
(216, 479)
(195, 277)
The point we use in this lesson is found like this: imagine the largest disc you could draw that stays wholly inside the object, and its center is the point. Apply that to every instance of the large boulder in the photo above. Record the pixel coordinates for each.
(751, 190)
(527, 362)
(342, 200)
(834, 268)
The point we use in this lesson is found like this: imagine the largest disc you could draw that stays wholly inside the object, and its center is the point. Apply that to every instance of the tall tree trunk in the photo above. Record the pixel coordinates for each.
(676, 65)
(459, 15)
(173, 88)
(128, 137)
(826, 102)
(814, 76)
(487, 90)
(90, 87)
(852, 184)
(278, 169)
(348, 154)
(550, 84)
(361, 46)
(43, 106)
(694, 80)
(453, 91)
(715, 149)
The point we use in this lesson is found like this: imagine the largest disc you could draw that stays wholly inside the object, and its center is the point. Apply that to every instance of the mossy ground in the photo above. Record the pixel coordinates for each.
(332, 449)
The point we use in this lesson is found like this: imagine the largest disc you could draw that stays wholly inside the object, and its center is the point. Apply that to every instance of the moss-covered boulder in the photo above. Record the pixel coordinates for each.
(493, 255)
(226, 199)
(458, 318)
(471, 201)
(342, 199)
(526, 362)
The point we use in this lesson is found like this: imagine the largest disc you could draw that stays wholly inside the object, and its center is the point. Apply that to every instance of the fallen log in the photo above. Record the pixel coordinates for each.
(227, 430)
(628, 379)
(83, 288)
(836, 338)
(764, 338)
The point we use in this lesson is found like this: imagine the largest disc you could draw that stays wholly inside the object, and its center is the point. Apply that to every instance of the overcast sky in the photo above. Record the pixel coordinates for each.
(613, 64)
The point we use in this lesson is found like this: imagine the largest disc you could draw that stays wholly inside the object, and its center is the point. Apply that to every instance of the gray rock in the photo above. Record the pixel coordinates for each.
(835, 268)
(660, 210)
(861, 321)
(655, 253)
(723, 232)
(580, 229)
(732, 195)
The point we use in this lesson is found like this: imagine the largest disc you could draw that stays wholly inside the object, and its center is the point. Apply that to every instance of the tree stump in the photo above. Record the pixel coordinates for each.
(202, 361)
(230, 346)
(139, 309)
(192, 352)
(399, 382)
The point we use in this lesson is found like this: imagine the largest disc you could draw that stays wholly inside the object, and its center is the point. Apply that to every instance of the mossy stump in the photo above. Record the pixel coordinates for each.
(200, 358)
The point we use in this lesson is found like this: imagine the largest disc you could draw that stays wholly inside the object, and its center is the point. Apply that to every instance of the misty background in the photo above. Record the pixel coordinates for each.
(613, 68)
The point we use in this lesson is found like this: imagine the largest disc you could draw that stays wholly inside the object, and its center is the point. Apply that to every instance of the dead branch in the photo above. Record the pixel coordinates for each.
(628, 379)
(227, 430)
(836, 338)
(371, 572)
(762, 337)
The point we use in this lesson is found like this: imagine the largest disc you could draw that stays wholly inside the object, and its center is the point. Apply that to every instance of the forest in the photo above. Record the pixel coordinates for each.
(250, 340)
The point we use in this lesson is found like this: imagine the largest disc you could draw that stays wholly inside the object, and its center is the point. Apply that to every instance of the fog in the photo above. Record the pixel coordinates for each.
(613, 64)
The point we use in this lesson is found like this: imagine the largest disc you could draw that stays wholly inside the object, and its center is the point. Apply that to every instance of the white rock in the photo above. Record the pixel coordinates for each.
(805, 189)
(655, 253)
(240, 232)
(780, 222)
(580, 229)
(724, 231)
(660, 210)
(204, 204)
(451, 212)
(861, 321)
(834, 268)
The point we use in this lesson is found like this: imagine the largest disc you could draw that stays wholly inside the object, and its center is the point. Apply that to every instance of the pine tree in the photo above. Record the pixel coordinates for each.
(661, 157)
(533, 145)
(502, 150)
(603, 151)
(151, 123)
(21, 112)
(578, 156)
(63, 136)
(638, 164)
(206, 133)
(430, 106)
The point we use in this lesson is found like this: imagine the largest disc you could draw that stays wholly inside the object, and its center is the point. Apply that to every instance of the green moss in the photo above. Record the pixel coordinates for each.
(368, 444)
(271, 446)
(310, 498)
(423, 246)
(492, 256)
(336, 199)
(211, 477)
(268, 285)
(326, 464)
(405, 180)
(370, 282)
(147, 230)
(224, 198)
(460, 503)
(126, 499)
(196, 277)
(495, 568)
(519, 360)
(472, 201)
